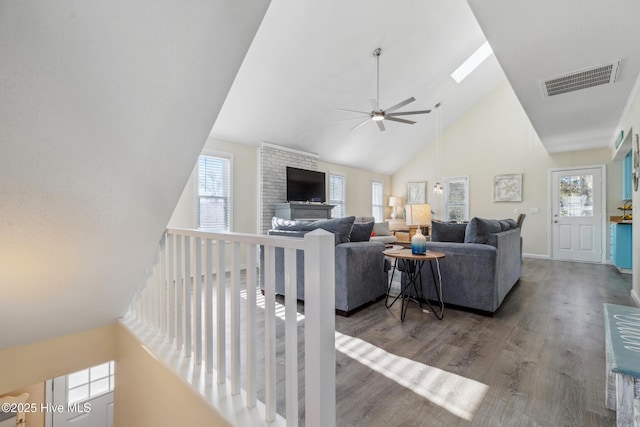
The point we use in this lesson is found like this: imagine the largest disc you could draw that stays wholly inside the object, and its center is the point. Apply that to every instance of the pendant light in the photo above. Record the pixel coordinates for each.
(437, 188)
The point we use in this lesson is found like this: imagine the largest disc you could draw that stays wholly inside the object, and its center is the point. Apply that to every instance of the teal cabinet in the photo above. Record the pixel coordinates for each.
(621, 246)
(627, 170)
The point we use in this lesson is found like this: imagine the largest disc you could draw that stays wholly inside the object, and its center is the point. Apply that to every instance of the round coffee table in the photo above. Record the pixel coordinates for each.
(412, 267)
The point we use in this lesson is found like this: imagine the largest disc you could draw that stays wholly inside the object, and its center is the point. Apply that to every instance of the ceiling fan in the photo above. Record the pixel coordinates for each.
(378, 114)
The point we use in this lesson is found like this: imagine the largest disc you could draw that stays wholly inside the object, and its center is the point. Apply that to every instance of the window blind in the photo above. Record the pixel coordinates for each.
(377, 204)
(337, 195)
(214, 193)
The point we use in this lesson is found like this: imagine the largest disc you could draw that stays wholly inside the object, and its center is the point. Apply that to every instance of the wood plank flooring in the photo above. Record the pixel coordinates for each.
(539, 361)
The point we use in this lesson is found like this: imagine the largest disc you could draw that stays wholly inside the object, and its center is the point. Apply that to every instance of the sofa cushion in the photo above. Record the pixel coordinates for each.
(479, 229)
(447, 232)
(512, 223)
(340, 227)
(364, 219)
(361, 232)
(381, 228)
(387, 240)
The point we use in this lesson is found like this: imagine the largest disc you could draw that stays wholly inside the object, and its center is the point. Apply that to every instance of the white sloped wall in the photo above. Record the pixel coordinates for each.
(104, 108)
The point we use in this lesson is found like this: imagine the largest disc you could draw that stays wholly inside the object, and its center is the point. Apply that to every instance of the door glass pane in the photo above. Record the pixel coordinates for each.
(77, 394)
(100, 386)
(576, 195)
(100, 371)
(78, 378)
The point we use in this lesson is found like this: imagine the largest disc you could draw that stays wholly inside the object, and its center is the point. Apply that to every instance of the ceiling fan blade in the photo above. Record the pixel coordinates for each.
(395, 119)
(374, 104)
(380, 126)
(360, 124)
(408, 112)
(400, 105)
(368, 113)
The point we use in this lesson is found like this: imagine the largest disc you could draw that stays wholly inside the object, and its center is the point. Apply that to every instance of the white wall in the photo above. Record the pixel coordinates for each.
(632, 120)
(358, 188)
(104, 109)
(244, 189)
(149, 394)
(493, 138)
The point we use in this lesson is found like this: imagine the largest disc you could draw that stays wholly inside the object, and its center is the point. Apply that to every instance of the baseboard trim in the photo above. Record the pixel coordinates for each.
(536, 256)
(635, 297)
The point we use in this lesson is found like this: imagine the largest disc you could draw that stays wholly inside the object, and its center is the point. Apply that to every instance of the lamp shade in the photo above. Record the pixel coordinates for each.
(418, 214)
(395, 201)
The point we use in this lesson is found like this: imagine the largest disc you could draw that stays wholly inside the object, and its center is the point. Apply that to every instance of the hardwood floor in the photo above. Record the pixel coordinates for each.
(538, 362)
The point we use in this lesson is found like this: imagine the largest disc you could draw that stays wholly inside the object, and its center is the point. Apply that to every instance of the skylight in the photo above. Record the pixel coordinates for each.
(472, 62)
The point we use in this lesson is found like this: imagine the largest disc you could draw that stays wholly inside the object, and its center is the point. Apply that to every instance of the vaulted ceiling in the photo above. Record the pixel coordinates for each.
(311, 58)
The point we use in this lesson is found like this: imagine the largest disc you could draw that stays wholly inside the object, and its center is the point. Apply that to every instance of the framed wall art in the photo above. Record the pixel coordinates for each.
(416, 193)
(507, 188)
(456, 198)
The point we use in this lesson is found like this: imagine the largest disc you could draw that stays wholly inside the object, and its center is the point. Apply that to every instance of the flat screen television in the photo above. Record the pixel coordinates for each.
(305, 185)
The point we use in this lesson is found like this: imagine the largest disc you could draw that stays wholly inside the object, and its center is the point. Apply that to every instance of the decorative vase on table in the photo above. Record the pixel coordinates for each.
(418, 243)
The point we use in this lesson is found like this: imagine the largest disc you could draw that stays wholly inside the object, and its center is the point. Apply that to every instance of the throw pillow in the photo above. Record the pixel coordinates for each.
(281, 223)
(340, 227)
(479, 229)
(381, 228)
(361, 232)
(504, 225)
(447, 232)
(512, 223)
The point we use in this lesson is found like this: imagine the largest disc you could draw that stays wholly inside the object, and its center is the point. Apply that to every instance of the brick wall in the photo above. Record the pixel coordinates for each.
(273, 162)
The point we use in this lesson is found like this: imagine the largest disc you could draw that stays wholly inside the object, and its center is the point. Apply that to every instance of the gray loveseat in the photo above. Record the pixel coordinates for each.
(361, 273)
(483, 262)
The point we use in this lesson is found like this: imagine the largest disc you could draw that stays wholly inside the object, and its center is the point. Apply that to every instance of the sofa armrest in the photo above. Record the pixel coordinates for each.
(468, 274)
(360, 274)
(508, 262)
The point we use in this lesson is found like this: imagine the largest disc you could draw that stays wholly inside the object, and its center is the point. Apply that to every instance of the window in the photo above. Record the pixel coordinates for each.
(92, 382)
(377, 197)
(214, 193)
(456, 198)
(336, 195)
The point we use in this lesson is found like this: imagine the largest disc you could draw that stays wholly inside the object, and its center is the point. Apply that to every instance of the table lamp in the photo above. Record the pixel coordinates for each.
(393, 203)
(419, 215)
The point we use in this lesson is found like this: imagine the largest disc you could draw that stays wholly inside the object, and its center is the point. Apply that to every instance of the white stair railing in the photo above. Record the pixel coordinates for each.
(185, 301)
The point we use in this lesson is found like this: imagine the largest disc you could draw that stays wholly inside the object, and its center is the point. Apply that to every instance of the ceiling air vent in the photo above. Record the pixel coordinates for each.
(596, 76)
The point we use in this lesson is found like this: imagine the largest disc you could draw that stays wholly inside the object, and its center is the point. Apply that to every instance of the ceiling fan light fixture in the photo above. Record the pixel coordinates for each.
(377, 114)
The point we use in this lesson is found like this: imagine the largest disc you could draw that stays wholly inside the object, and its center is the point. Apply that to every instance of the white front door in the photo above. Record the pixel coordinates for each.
(576, 214)
(84, 398)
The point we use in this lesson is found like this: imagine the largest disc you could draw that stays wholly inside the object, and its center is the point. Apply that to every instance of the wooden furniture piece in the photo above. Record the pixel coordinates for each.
(622, 329)
(18, 407)
(404, 232)
(397, 224)
(302, 211)
(412, 265)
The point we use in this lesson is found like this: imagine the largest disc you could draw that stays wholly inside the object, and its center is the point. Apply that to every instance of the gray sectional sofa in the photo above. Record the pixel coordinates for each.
(360, 269)
(483, 262)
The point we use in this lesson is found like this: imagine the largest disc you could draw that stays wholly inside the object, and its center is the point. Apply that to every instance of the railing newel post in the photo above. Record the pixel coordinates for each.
(319, 295)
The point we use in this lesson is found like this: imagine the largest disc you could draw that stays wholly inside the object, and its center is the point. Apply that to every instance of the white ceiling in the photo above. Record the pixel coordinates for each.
(539, 40)
(311, 57)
